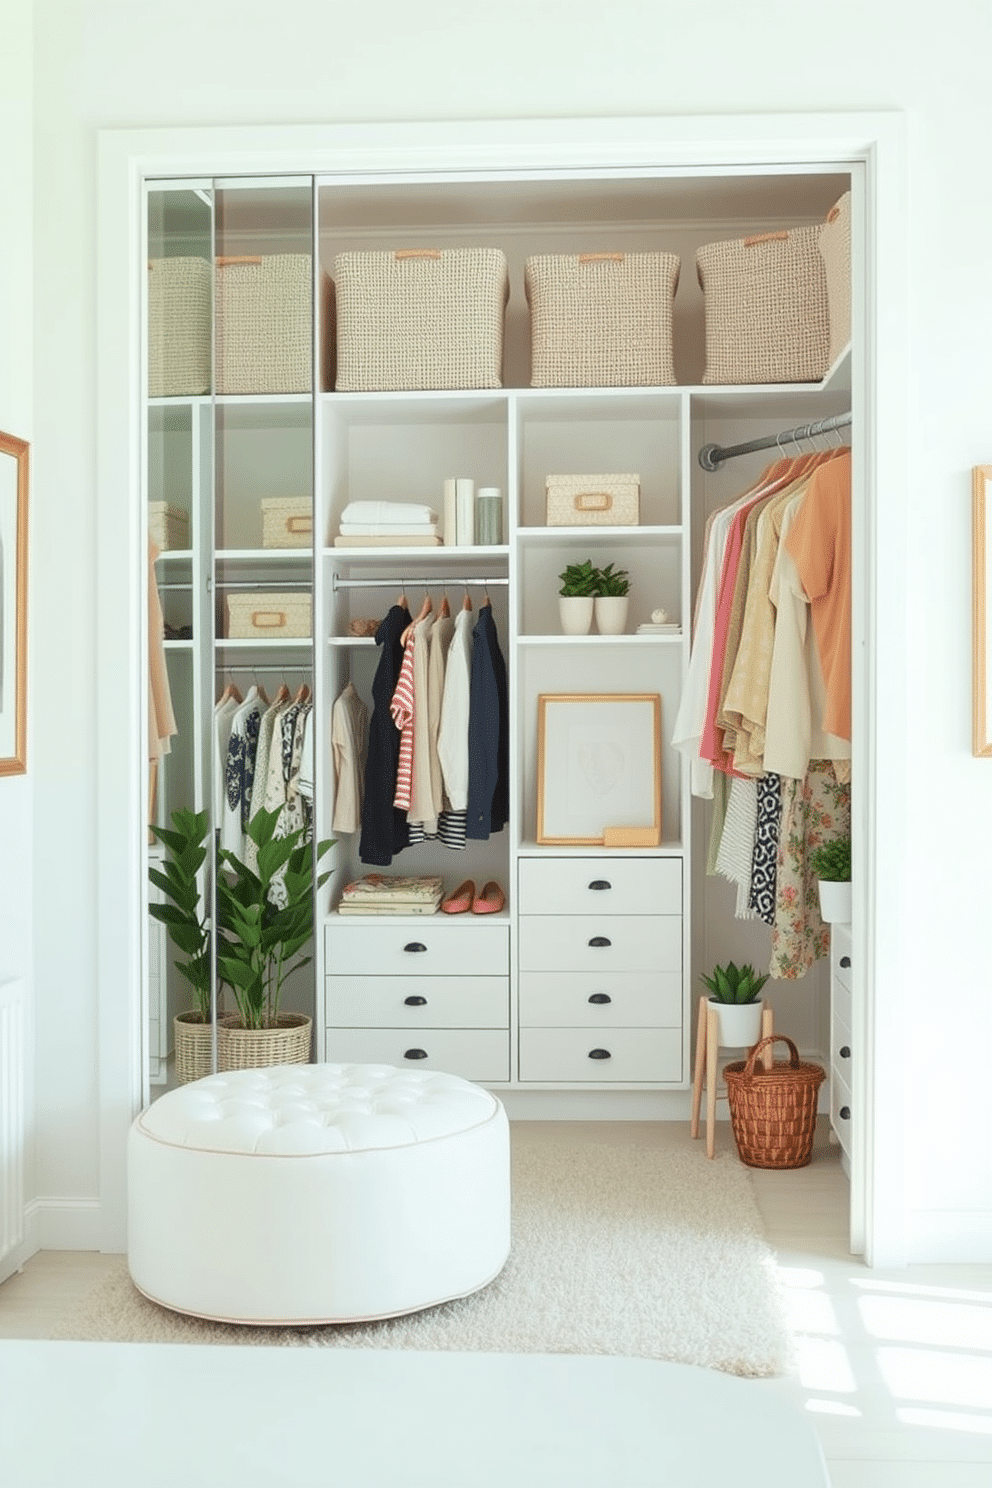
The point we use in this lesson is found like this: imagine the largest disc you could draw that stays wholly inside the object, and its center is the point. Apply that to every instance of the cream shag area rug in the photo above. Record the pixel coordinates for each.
(616, 1250)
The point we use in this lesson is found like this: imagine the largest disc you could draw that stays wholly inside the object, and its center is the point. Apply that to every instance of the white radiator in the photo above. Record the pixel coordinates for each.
(13, 1055)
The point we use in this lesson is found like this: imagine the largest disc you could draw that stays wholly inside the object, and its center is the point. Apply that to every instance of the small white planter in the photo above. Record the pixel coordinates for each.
(611, 613)
(835, 902)
(739, 1023)
(575, 611)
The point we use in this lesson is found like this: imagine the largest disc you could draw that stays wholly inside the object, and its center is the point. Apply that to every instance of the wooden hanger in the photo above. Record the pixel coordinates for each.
(467, 602)
(445, 609)
(282, 696)
(303, 696)
(425, 610)
(230, 693)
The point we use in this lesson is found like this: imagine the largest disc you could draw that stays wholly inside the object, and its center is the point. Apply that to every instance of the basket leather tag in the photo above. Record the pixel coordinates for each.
(593, 501)
(268, 619)
(775, 237)
(402, 253)
(601, 258)
(299, 524)
(224, 260)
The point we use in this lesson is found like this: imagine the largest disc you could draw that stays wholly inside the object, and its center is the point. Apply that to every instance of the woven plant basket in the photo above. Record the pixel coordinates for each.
(263, 335)
(773, 1112)
(835, 250)
(765, 307)
(601, 319)
(420, 319)
(193, 1047)
(255, 1048)
(179, 292)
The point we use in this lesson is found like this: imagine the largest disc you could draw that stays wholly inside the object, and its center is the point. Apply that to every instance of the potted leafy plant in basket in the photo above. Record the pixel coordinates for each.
(575, 597)
(612, 599)
(265, 920)
(188, 929)
(831, 862)
(735, 992)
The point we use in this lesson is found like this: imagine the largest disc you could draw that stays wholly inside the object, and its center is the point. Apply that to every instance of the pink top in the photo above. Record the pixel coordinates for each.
(401, 708)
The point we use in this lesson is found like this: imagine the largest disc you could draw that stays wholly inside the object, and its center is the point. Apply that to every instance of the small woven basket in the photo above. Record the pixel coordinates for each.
(765, 308)
(255, 1048)
(835, 250)
(263, 324)
(592, 500)
(773, 1112)
(601, 319)
(420, 318)
(287, 522)
(262, 615)
(179, 295)
(168, 527)
(194, 1047)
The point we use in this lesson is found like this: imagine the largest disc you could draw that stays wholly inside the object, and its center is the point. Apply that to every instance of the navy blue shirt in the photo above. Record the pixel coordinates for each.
(384, 826)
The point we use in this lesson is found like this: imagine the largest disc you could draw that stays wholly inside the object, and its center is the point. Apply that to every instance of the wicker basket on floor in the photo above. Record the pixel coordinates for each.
(255, 1048)
(773, 1112)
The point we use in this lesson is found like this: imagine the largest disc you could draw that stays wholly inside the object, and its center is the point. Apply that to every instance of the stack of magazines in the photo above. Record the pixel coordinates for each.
(392, 894)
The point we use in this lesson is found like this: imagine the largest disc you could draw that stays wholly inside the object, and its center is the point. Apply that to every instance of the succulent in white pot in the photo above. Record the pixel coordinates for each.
(735, 993)
(576, 597)
(612, 600)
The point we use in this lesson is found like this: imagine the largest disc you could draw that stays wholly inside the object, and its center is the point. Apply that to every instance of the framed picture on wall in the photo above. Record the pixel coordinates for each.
(599, 769)
(981, 612)
(13, 604)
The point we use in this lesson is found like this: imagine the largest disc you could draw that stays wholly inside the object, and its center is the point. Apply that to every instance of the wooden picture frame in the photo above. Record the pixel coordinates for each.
(599, 769)
(981, 612)
(13, 604)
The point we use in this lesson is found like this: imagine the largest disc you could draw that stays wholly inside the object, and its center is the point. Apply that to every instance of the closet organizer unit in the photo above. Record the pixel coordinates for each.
(574, 986)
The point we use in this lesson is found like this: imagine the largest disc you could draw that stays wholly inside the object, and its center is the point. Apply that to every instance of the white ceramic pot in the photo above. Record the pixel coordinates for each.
(835, 902)
(575, 611)
(739, 1023)
(611, 613)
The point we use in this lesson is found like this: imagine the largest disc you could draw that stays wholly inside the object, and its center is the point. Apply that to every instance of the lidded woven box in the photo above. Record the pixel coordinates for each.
(269, 615)
(263, 330)
(287, 522)
(419, 318)
(168, 527)
(593, 500)
(835, 250)
(765, 308)
(601, 319)
(179, 296)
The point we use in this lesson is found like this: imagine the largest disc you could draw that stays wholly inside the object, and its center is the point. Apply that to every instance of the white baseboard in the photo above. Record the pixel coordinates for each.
(64, 1224)
(949, 1236)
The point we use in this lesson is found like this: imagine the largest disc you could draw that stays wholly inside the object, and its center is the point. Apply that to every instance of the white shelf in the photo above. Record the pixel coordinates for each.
(585, 534)
(303, 557)
(628, 638)
(416, 554)
(231, 642)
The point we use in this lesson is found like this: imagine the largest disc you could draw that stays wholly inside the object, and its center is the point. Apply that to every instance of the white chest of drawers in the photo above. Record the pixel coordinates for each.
(842, 1112)
(600, 971)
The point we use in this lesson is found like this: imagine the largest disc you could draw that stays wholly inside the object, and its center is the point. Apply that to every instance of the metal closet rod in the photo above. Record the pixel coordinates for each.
(414, 583)
(711, 455)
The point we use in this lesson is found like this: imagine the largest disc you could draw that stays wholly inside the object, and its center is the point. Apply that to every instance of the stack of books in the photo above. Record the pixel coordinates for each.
(388, 524)
(649, 628)
(392, 894)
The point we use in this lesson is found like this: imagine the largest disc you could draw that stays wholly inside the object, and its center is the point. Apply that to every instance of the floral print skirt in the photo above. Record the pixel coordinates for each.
(814, 810)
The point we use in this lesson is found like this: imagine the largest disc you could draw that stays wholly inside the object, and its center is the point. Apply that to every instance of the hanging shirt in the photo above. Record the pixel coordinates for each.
(349, 739)
(224, 712)
(440, 642)
(820, 543)
(452, 739)
(402, 710)
(422, 811)
(384, 829)
(239, 773)
(161, 718)
(488, 733)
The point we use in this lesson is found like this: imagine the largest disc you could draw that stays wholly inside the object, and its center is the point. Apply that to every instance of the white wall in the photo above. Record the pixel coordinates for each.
(104, 63)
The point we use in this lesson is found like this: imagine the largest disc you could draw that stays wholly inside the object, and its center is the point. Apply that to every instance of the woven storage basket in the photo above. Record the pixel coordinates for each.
(263, 331)
(420, 318)
(835, 250)
(765, 306)
(773, 1112)
(593, 500)
(168, 527)
(254, 1048)
(266, 615)
(194, 1048)
(601, 319)
(179, 291)
(287, 522)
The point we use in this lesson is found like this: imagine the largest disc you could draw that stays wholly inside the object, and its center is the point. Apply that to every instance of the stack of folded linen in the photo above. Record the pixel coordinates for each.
(392, 894)
(388, 524)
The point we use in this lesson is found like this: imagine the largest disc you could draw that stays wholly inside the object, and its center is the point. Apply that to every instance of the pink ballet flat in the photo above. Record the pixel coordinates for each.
(461, 900)
(490, 901)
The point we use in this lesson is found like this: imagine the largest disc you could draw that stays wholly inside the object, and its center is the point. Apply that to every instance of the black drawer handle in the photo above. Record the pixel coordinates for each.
(600, 940)
(844, 1113)
(601, 883)
(600, 1054)
(415, 1001)
(845, 961)
(415, 945)
(845, 1052)
(601, 997)
(415, 1054)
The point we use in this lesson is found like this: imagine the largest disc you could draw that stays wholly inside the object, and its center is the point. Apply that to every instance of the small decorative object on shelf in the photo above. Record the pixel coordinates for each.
(576, 597)
(612, 599)
(363, 627)
(831, 862)
(659, 624)
(489, 517)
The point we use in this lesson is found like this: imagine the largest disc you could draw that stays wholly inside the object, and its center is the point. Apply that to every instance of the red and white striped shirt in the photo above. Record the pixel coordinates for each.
(401, 709)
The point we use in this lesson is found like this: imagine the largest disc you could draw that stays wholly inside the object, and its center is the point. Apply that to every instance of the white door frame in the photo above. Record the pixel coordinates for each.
(129, 158)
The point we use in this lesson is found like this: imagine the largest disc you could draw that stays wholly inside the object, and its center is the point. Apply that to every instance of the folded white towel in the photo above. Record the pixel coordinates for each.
(387, 511)
(375, 529)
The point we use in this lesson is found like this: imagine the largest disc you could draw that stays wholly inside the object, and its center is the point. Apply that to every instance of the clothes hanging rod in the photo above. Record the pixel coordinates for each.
(415, 583)
(712, 455)
(162, 587)
(264, 666)
(263, 584)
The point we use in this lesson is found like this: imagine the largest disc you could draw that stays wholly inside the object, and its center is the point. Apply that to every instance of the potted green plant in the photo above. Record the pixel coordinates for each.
(612, 591)
(576, 596)
(735, 993)
(181, 912)
(265, 920)
(831, 862)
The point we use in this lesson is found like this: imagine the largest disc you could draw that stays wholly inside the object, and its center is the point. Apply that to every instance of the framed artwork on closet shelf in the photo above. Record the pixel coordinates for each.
(981, 607)
(13, 603)
(599, 769)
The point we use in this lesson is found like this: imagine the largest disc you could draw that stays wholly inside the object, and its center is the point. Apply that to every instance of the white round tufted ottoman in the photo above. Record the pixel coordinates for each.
(318, 1193)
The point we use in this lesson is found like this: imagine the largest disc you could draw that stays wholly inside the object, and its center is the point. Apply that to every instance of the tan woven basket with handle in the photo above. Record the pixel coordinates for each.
(287, 522)
(601, 319)
(773, 1112)
(268, 615)
(593, 500)
(420, 318)
(179, 294)
(765, 308)
(255, 1048)
(263, 329)
(835, 250)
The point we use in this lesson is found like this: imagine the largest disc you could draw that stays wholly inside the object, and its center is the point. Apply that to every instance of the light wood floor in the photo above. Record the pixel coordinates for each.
(894, 1368)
